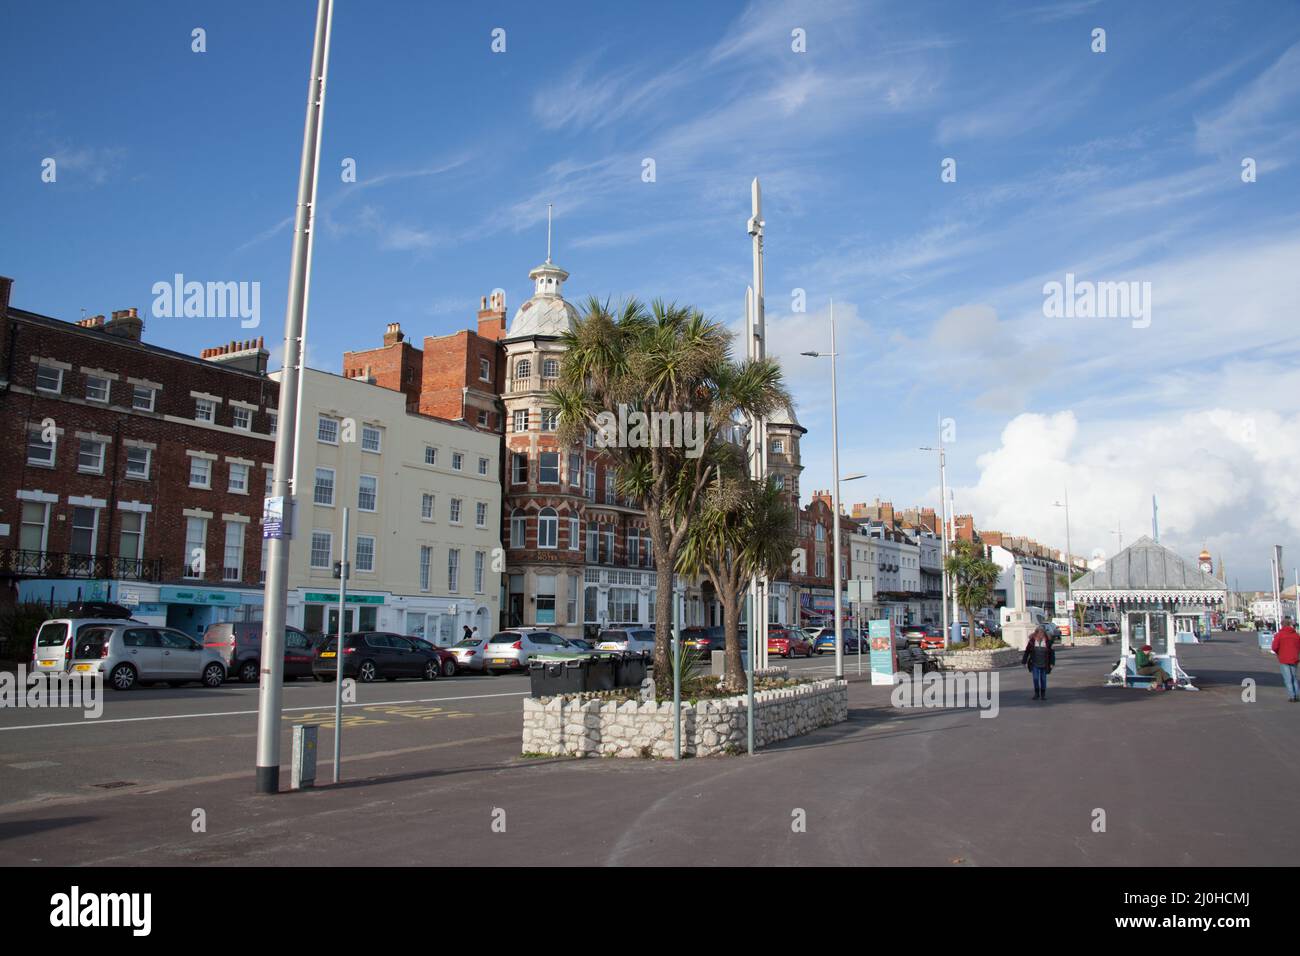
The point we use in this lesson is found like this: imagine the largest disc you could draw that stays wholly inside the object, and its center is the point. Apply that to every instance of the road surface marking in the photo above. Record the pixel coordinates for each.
(245, 713)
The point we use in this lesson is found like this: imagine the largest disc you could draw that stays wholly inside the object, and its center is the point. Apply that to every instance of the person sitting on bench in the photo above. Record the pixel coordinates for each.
(1146, 666)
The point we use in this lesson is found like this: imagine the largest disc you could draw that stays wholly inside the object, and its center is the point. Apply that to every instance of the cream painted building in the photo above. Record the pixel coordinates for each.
(424, 522)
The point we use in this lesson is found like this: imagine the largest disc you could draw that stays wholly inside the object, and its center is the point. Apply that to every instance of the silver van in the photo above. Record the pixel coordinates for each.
(52, 651)
(127, 653)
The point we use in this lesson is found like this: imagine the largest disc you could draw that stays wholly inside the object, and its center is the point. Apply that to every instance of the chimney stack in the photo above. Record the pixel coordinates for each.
(250, 355)
(126, 324)
(492, 316)
(6, 289)
(393, 334)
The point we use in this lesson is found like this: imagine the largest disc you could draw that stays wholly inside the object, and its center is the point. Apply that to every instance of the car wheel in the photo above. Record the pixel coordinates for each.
(448, 668)
(367, 672)
(248, 672)
(214, 675)
(431, 670)
(122, 677)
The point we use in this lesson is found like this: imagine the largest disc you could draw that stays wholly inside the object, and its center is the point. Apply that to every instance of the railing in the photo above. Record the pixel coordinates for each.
(531, 383)
(60, 564)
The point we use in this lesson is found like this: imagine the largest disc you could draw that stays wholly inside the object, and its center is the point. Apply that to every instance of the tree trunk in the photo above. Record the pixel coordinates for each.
(733, 675)
(659, 542)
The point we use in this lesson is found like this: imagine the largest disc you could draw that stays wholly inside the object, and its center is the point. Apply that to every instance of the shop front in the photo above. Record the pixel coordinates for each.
(192, 610)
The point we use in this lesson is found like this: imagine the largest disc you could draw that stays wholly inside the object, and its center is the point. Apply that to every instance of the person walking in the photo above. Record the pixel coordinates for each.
(1286, 645)
(468, 632)
(1039, 657)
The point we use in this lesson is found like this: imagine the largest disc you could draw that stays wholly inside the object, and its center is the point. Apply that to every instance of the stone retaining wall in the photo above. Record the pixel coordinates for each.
(979, 660)
(1087, 640)
(565, 726)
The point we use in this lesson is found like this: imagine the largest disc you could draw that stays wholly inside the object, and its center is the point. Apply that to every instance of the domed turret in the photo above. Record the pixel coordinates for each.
(546, 312)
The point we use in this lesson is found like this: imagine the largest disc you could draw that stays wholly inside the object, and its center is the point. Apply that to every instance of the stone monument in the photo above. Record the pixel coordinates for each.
(1018, 624)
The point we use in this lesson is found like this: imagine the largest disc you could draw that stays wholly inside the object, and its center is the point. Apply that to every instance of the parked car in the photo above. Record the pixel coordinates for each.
(127, 653)
(932, 641)
(511, 650)
(631, 640)
(823, 641)
(787, 643)
(370, 655)
(446, 658)
(913, 632)
(240, 646)
(470, 654)
(55, 641)
(704, 640)
(582, 644)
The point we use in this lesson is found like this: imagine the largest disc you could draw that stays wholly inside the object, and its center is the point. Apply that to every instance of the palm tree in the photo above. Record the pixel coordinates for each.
(973, 576)
(661, 359)
(745, 528)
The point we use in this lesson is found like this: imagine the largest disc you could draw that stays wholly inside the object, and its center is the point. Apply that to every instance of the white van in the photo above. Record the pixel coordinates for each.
(52, 651)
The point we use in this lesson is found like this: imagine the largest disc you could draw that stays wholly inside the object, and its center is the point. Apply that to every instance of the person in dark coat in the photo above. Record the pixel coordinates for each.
(1039, 657)
(468, 632)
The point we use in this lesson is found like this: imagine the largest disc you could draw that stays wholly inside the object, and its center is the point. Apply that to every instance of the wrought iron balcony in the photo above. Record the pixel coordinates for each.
(60, 564)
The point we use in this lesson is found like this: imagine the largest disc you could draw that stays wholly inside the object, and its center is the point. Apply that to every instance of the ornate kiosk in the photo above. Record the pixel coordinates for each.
(1150, 587)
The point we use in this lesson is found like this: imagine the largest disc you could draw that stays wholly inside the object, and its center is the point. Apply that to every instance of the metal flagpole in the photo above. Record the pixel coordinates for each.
(835, 508)
(677, 674)
(756, 632)
(338, 651)
(277, 573)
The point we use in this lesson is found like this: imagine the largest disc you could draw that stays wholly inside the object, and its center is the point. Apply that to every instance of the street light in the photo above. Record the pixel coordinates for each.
(943, 529)
(835, 498)
(1069, 566)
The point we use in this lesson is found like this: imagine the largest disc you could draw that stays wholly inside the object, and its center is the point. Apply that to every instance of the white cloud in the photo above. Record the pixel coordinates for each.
(1222, 476)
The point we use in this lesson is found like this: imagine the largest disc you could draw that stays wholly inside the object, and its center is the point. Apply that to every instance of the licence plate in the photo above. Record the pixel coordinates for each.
(47, 663)
(499, 660)
(327, 653)
(82, 667)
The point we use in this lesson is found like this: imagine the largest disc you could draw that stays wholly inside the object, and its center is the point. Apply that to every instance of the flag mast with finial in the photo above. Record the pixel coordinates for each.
(756, 351)
(548, 232)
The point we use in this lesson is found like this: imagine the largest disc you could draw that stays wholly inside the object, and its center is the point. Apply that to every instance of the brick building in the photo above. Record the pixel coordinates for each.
(813, 591)
(130, 472)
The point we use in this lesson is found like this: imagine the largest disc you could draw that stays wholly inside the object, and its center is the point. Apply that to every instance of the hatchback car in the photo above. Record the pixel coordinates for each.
(240, 646)
(370, 655)
(787, 643)
(445, 656)
(56, 639)
(705, 640)
(129, 653)
(511, 650)
(824, 641)
(631, 640)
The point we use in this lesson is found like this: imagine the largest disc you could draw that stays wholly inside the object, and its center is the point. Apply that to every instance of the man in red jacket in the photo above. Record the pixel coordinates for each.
(1286, 645)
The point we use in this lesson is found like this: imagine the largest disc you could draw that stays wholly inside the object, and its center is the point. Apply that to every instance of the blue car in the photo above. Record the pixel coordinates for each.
(824, 641)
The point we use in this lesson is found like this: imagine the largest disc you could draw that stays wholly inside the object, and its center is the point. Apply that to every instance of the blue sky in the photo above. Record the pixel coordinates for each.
(1124, 165)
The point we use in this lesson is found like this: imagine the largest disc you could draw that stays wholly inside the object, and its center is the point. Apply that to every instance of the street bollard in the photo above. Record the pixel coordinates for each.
(304, 756)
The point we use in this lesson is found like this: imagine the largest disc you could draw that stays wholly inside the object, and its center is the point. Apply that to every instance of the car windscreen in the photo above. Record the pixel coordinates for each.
(505, 637)
(612, 636)
(52, 634)
(469, 642)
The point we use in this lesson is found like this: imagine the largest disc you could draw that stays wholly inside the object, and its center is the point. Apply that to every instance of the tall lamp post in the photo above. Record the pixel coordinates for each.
(943, 528)
(1069, 566)
(269, 699)
(835, 498)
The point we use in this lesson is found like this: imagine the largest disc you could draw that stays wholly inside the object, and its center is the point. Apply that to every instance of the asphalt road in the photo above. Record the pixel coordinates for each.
(432, 775)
